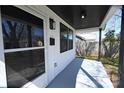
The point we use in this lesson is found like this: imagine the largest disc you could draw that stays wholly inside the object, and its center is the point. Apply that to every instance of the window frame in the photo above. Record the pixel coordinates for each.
(61, 48)
(68, 44)
(26, 48)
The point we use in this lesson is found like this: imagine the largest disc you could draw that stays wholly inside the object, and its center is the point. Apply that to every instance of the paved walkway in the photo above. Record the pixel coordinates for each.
(82, 74)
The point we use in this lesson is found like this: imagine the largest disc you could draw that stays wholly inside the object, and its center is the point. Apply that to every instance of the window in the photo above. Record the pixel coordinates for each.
(70, 39)
(63, 38)
(23, 36)
(66, 38)
(37, 37)
(23, 66)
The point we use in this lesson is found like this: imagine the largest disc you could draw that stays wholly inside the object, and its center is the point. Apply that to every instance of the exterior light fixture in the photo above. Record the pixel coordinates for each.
(52, 24)
(83, 14)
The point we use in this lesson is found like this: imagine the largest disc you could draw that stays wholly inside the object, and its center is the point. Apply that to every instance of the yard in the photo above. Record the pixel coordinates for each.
(111, 66)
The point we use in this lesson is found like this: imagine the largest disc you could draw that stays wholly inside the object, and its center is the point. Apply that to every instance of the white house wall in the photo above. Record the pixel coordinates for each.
(53, 55)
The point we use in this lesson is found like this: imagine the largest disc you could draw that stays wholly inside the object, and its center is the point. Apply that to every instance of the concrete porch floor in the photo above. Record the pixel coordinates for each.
(82, 74)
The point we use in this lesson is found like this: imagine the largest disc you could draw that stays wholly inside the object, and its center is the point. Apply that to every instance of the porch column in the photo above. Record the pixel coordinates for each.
(3, 79)
(99, 51)
(121, 56)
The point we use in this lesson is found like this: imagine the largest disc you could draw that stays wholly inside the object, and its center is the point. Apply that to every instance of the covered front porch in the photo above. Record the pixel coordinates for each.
(58, 49)
(82, 73)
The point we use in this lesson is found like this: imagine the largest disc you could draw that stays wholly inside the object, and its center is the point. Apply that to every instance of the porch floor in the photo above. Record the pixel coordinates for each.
(82, 74)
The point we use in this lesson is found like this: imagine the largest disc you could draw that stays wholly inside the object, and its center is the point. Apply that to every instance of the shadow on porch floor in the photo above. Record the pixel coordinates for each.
(82, 74)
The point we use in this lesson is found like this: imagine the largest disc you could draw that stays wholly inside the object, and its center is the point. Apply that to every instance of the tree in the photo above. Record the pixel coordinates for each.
(111, 43)
(90, 46)
(12, 36)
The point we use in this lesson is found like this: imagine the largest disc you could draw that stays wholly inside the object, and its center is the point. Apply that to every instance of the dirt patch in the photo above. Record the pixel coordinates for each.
(112, 72)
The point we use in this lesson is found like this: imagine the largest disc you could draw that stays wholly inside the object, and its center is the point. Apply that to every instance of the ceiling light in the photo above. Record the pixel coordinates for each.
(83, 14)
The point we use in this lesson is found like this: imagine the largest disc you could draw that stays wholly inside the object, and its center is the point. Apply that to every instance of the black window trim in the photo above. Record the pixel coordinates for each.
(69, 30)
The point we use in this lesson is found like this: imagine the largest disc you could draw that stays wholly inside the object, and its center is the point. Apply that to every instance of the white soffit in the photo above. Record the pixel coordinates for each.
(86, 36)
(87, 30)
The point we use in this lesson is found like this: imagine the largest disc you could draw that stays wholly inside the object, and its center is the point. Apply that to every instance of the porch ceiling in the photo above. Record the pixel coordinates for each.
(72, 14)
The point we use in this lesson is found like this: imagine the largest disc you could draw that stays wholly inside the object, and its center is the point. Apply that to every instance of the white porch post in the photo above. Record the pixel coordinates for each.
(3, 80)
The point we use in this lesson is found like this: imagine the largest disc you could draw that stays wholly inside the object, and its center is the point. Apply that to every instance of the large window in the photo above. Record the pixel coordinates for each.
(66, 38)
(23, 36)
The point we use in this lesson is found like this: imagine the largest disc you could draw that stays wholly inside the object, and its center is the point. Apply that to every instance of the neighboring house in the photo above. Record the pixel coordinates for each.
(38, 42)
(90, 37)
(87, 44)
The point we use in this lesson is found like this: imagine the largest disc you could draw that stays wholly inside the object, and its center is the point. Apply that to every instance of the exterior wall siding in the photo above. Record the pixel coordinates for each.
(52, 53)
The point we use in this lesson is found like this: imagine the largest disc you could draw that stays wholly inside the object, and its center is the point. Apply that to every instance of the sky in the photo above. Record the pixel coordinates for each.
(114, 23)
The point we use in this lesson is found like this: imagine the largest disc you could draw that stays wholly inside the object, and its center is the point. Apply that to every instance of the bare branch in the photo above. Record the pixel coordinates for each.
(22, 29)
(4, 31)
